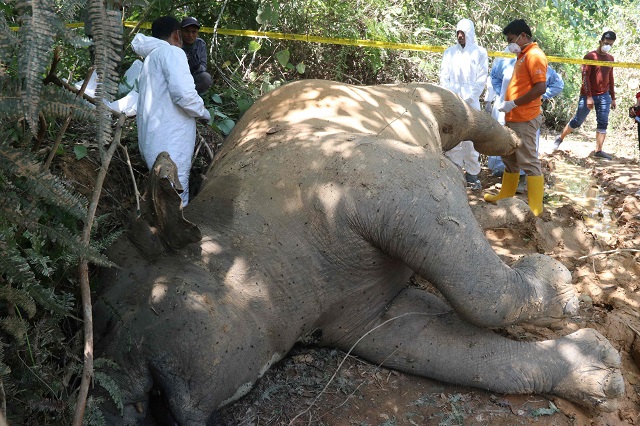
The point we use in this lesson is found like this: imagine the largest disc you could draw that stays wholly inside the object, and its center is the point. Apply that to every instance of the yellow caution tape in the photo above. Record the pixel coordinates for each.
(368, 43)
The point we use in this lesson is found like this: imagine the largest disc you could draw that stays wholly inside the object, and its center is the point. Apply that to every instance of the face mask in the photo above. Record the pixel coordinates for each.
(514, 47)
(606, 48)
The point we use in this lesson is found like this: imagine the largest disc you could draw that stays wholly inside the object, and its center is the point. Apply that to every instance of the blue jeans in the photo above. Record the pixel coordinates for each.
(602, 106)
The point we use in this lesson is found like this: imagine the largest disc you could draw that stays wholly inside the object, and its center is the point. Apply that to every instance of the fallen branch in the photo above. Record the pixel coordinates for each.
(609, 252)
(53, 78)
(133, 180)
(83, 272)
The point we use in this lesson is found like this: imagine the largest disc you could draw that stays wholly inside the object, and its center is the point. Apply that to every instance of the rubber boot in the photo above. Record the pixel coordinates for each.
(508, 189)
(535, 188)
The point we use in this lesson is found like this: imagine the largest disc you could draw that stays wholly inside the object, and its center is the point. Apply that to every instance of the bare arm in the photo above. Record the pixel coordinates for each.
(536, 91)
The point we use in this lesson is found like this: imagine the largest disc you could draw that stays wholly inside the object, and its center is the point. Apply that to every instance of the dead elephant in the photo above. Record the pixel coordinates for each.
(325, 199)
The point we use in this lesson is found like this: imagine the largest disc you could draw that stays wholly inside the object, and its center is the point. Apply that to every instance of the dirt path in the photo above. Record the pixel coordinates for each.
(606, 273)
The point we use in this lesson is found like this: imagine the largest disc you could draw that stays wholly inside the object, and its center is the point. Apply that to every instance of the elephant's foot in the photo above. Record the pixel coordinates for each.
(593, 377)
(553, 296)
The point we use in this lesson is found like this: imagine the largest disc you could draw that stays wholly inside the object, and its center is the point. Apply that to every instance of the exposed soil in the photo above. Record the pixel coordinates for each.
(327, 387)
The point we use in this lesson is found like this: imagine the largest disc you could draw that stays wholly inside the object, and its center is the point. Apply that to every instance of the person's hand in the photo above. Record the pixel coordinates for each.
(613, 104)
(507, 106)
(206, 118)
(589, 102)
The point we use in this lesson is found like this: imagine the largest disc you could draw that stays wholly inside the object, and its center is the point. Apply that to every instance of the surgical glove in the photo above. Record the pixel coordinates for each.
(507, 106)
(206, 119)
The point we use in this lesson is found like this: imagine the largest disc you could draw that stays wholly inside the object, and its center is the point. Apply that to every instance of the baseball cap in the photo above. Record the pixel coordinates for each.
(189, 21)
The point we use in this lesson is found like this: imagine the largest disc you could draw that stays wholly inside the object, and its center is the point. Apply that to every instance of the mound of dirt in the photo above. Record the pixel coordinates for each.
(328, 387)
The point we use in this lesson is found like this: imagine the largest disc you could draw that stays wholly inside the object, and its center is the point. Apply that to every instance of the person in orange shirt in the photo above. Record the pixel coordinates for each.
(523, 115)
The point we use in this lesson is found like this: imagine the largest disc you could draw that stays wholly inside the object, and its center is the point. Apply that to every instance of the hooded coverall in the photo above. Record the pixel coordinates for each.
(464, 71)
(168, 106)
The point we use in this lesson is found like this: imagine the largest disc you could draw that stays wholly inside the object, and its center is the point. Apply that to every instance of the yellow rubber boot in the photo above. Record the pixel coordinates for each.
(535, 191)
(508, 189)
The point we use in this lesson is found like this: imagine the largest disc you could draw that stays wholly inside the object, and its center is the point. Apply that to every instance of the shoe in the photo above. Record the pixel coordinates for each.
(508, 189)
(473, 182)
(522, 185)
(556, 144)
(602, 154)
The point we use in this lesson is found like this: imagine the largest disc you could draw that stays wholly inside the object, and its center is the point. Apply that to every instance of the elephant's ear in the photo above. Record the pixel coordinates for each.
(161, 222)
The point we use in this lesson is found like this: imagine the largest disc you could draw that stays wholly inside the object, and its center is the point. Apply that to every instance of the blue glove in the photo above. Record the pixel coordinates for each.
(507, 106)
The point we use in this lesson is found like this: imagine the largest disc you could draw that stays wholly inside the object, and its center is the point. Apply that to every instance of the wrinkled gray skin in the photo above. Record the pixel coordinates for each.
(325, 199)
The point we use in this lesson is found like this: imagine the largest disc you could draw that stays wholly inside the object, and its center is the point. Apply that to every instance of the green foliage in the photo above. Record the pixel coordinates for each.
(41, 217)
(39, 220)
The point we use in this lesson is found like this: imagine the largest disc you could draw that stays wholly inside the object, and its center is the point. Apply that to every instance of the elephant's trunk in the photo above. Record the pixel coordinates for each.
(458, 122)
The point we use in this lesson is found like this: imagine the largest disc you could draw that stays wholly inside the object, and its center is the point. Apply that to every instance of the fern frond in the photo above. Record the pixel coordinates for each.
(29, 218)
(68, 10)
(16, 327)
(40, 29)
(60, 303)
(14, 268)
(93, 414)
(11, 106)
(58, 102)
(107, 33)
(110, 385)
(19, 298)
(42, 184)
(4, 368)
(8, 41)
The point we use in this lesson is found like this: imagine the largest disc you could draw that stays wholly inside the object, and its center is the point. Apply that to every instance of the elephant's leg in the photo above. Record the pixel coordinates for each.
(422, 217)
(419, 334)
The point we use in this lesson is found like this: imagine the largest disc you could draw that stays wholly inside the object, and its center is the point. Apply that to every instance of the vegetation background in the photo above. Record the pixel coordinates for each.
(51, 230)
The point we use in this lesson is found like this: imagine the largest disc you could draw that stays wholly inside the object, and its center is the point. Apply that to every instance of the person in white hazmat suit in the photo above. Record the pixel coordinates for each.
(168, 104)
(464, 71)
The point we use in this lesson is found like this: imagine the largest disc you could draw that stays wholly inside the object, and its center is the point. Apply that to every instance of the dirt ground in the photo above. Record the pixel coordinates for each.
(595, 232)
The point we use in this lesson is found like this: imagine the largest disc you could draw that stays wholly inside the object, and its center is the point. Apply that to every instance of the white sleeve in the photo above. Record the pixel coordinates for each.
(182, 89)
(445, 70)
(482, 72)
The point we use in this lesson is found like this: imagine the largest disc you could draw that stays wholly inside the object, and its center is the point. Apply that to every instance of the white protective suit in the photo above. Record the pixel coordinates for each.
(464, 71)
(168, 106)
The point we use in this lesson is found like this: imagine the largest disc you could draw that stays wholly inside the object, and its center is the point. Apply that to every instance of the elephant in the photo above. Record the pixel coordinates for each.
(321, 204)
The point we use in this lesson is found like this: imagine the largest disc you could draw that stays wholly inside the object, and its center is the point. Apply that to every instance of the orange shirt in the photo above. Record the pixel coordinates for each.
(530, 68)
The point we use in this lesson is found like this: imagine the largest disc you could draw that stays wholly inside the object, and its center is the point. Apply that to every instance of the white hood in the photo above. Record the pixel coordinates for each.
(469, 30)
(464, 70)
(143, 45)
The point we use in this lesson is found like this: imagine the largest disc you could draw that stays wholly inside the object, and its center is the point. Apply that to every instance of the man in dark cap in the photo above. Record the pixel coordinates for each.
(196, 50)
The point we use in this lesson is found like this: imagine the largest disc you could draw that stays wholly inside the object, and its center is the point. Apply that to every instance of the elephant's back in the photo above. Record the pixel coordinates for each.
(320, 106)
